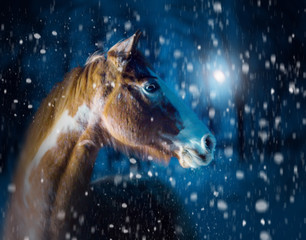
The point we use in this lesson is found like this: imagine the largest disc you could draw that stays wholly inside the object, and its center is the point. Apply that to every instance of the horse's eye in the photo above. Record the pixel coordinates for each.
(151, 87)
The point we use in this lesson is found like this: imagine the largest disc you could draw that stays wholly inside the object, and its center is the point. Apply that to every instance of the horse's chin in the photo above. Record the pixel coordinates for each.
(189, 158)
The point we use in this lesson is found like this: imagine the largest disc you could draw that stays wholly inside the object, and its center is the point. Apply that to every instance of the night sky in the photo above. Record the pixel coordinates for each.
(240, 65)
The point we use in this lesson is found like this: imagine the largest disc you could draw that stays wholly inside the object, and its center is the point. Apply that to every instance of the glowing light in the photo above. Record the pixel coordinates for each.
(219, 76)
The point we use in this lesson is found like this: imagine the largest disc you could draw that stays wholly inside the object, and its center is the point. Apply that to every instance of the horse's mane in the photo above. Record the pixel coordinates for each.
(69, 94)
(73, 91)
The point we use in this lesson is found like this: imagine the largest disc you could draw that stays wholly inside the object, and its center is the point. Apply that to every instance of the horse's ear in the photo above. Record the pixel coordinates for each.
(120, 53)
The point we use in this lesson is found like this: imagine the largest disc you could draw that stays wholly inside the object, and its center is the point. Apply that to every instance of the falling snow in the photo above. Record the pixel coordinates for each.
(261, 206)
(222, 205)
(278, 158)
(239, 65)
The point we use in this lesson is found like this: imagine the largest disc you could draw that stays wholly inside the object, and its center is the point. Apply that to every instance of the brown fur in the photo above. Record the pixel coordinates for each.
(124, 122)
(74, 90)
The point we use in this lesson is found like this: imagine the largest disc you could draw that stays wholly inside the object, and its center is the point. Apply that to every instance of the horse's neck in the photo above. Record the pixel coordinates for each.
(74, 179)
(48, 184)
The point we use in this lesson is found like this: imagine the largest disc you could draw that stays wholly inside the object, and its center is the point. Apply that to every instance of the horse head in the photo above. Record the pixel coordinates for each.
(140, 112)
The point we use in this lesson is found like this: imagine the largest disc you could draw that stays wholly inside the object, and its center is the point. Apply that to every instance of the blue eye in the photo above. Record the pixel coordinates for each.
(151, 87)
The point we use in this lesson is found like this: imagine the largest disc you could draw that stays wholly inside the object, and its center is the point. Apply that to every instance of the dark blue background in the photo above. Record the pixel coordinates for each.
(258, 114)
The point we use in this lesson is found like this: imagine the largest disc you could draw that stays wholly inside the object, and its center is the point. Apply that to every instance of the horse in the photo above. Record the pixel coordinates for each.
(115, 100)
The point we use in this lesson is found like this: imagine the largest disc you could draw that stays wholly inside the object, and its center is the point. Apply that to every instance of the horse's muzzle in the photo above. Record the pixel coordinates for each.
(195, 154)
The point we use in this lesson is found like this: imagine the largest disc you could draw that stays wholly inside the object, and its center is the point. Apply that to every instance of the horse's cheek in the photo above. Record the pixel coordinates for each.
(119, 123)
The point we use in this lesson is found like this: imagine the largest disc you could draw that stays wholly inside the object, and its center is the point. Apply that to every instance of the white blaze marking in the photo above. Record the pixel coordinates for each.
(194, 129)
(65, 124)
(190, 136)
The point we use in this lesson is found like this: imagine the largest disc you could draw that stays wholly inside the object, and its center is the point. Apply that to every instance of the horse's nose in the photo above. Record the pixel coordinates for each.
(208, 143)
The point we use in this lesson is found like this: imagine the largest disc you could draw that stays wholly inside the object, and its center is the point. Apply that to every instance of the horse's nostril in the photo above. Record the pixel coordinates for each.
(208, 143)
